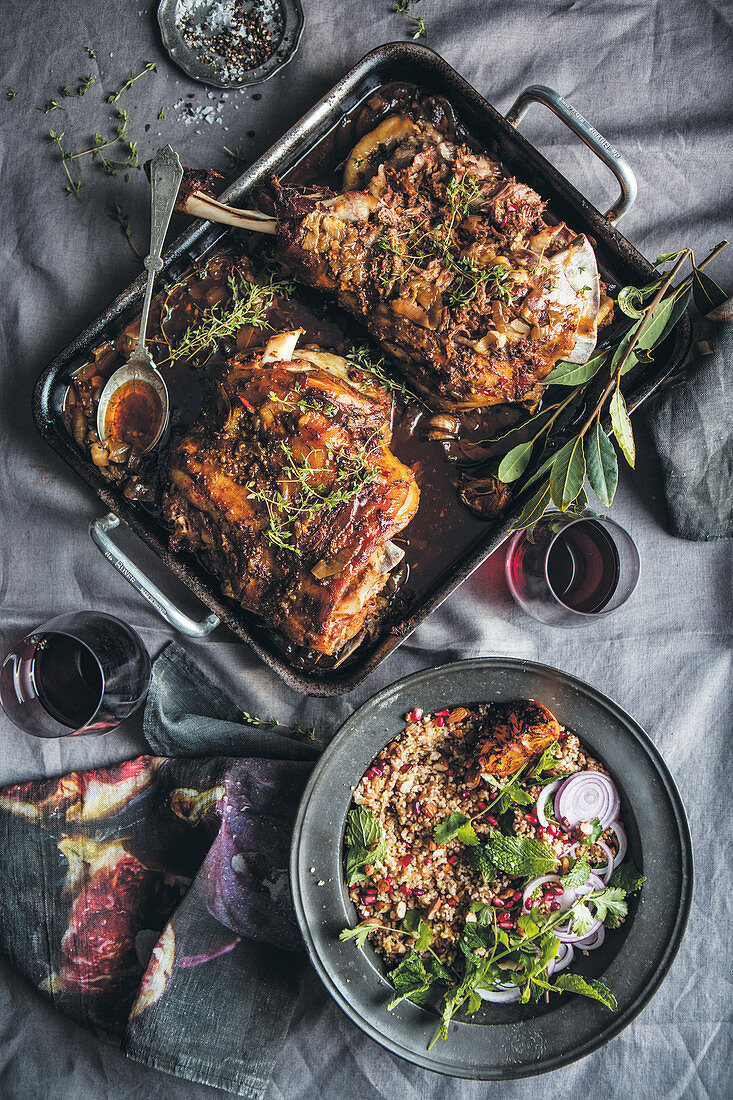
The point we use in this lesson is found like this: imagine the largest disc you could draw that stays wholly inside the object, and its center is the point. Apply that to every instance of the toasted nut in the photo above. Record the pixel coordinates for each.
(406, 785)
(457, 715)
(368, 869)
(440, 767)
(434, 908)
(471, 917)
(565, 864)
(400, 909)
(432, 845)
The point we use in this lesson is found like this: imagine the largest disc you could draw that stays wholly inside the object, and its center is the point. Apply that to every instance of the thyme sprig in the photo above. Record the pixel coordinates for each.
(96, 151)
(317, 489)
(123, 221)
(12, 93)
(654, 311)
(374, 367)
(150, 67)
(249, 305)
(275, 723)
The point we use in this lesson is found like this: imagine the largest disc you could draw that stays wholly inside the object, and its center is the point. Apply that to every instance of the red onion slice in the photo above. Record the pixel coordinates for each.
(563, 959)
(564, 932)
(566, 899)
(592, 940)
(506, 994)
(606, 874)
(622, 844)
(585, 796)
(541, 801)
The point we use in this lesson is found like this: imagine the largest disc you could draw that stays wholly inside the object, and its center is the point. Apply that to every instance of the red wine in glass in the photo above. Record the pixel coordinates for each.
(79, 673)
(568, 570)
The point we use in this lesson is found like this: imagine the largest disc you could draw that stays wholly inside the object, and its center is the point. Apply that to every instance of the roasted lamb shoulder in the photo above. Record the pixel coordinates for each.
(288, 490)
(450, 264)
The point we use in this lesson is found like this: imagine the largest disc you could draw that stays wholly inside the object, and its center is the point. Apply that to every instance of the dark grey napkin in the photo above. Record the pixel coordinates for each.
(692, 428)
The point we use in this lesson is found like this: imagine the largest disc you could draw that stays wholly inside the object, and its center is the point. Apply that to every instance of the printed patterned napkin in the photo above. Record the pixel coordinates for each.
(150, 901)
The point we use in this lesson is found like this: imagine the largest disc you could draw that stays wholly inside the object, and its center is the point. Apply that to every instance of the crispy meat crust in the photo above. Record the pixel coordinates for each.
(236, 466)
(462, 342)
(518, 731)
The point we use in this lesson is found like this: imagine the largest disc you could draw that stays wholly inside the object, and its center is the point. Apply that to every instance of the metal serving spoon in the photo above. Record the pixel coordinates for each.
(166, 174)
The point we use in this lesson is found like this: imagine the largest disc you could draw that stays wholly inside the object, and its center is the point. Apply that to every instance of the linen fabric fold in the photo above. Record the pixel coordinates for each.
(150, 901)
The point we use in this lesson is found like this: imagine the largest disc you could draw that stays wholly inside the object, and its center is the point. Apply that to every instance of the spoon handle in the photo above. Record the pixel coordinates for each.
(166, 174)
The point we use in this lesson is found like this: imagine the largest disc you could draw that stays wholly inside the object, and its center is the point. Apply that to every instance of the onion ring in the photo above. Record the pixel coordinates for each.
(506, 994)
(564, 958)
(544, 795)
(592, 940)
(585, 796)
(622, 843)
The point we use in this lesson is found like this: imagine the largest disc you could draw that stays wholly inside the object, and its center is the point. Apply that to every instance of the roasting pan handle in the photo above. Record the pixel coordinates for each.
(99, 530)
(538, 93)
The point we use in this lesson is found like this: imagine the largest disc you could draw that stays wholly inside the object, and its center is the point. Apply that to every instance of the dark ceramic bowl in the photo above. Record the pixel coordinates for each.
(286, 35)
(515, 1040)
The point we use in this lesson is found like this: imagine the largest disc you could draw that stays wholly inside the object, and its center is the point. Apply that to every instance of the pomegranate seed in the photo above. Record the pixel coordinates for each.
(529, 904)
(406, 861)
(418, 892)
(557, 889)
(440, 720)
(407, 891)
(374, 772)
(442, 713)
(517, 896)
(427, 861)
(388, 881)
(532, 819)
(492, 820)
(440, 949)
(541, 830)
(554, 906)
(480, 805)
(415, 715)
(505, 924)
(405, 767)
(552, 830)
(369, 899)
(453, 859)
(497, 902)
(450, 771)
(452, 901)
(492, 794)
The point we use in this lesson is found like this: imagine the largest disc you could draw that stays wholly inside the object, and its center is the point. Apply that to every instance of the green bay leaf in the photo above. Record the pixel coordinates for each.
(534, 508)
(568, 474)
(601, 464)
(514, 463)
(622, 427)
(575, 374)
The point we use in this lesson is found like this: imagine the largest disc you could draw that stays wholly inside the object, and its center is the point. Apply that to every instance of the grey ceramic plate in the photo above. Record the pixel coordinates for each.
(286, 32)
(506, 1041)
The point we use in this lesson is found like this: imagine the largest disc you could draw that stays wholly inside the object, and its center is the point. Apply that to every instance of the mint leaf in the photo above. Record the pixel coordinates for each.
(577, 876)
(360, 932)
(419, 928)
(448, 828)
(481, 864)
(362, 829)
(413, 981)
(547, 762)
(586, 987)
(356, 860)
(520, 856)
(628, 877)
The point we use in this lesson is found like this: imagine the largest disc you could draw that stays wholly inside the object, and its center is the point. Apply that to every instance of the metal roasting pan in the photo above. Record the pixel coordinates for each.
(393, 62)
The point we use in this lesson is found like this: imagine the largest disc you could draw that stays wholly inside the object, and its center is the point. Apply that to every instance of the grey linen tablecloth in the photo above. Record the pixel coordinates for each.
(655, 78)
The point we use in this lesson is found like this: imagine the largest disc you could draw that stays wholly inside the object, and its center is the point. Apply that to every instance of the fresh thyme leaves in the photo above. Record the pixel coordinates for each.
(365, 844)
(273, 723)
(235, 157)
(249, 304)
(123, 221)
(12, 93)
(52, 105)
(96, 151)
(85, 83)
(373, 367)
(90, 52)
(654, 310)
(150, 67)
(318, 488)
(418, 29)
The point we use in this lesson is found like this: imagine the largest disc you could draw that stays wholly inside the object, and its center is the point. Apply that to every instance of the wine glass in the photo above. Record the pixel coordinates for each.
(568, 570)
(82, 672)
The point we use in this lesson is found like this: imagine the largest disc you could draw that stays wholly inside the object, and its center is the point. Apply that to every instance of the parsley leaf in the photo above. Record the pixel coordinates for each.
(611, 900)
(520, 856)
(467, 835)
(595, 832)
(583, 919)
(449, 828)
(577, 876)
(547, 762)
(360, 932)
(419, 928)
(628, 878)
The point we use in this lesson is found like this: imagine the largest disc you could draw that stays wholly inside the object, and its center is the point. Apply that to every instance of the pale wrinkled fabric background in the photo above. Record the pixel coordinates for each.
(655, 78)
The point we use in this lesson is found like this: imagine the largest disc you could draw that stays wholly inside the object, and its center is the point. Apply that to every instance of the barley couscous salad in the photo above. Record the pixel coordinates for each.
(484, 852)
